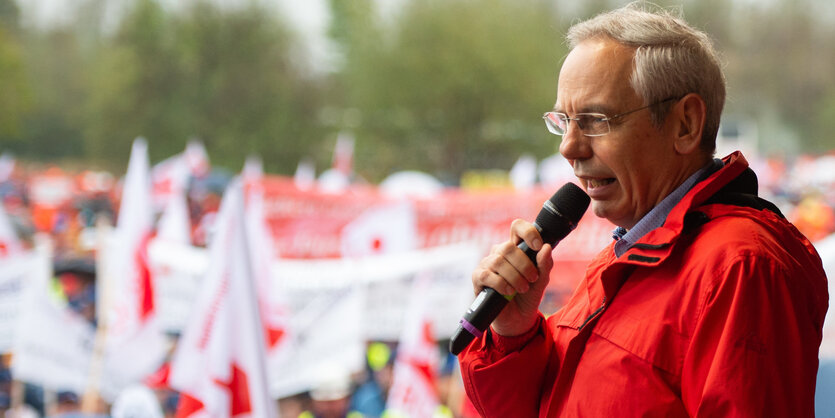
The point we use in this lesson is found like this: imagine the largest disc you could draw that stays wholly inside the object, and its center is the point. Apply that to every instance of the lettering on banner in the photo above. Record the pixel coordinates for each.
(54, 355)
(11, 290)
(325, 329)
(386, 302)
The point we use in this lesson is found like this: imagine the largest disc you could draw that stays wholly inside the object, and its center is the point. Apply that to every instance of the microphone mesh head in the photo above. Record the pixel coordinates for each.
(570, 203)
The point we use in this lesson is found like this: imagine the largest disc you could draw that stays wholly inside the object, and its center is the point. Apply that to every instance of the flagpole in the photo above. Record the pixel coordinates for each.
(91, 399)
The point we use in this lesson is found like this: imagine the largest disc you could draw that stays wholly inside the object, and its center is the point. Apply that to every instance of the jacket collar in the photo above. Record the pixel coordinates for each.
(656, 245)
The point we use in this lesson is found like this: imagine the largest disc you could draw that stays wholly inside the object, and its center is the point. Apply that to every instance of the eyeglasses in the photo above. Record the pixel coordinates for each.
(590, 124)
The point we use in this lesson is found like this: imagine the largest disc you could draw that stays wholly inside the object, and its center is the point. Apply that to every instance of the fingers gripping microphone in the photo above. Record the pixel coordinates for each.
(559, 216)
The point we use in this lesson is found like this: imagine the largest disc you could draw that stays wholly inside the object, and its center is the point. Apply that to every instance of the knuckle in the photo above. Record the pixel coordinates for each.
(478, 275)
(506, 247)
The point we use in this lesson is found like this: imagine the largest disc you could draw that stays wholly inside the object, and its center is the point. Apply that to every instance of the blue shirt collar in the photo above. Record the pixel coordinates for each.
(656, 217)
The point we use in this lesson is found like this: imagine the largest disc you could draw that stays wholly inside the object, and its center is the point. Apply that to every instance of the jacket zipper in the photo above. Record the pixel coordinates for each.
(593, 314)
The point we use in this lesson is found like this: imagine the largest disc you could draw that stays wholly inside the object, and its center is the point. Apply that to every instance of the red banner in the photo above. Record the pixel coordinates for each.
(309, 223)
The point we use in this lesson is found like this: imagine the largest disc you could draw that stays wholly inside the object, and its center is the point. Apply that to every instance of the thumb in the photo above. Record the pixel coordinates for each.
(544, 262)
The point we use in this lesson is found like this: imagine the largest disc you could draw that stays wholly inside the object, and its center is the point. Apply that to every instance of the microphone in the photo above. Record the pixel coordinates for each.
(559, 216)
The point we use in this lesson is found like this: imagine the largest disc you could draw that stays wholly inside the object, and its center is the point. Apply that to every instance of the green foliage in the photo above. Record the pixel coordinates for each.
(780, 58)
(15, 96)
(136, 83)
(455, 85)
(55, 65)
(223, 77)
(9, 14)
(443, 86)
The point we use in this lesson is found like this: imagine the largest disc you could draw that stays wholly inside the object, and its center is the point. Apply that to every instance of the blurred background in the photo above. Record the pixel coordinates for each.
(439, 86)
(373, 120)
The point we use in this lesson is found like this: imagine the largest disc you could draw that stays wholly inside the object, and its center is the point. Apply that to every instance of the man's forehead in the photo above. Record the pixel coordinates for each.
(595, 75)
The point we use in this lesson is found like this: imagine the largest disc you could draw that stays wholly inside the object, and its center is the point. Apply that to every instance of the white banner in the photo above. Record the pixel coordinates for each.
(53, 345)
(387, 281)
(328, 337)
(335, 304)
(178, 271)
(338, 305)
(14, 272)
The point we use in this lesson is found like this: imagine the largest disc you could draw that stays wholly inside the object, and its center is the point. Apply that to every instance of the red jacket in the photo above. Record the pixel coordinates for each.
(717, 313)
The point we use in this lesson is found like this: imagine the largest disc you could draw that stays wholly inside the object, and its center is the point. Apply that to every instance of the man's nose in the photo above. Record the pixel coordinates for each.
(575, 145)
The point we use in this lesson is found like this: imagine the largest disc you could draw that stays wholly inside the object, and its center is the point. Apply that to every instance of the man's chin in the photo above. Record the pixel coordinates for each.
(604, 209)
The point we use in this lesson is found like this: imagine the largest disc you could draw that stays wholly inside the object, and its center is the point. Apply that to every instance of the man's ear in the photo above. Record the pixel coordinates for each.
(688, 118)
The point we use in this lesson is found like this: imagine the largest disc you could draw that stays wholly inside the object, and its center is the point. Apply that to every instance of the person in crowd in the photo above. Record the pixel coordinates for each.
(331, 395)
(707, 302)
(369, 398)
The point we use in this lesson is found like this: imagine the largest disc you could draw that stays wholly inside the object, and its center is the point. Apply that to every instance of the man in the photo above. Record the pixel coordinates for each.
(707, 303)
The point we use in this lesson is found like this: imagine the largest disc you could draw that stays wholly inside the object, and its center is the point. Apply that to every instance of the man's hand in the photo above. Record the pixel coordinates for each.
(509, 271)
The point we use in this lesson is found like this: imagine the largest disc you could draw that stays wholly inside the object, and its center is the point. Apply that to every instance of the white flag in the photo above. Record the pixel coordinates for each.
(274, 311)
(338, 177)
(170, 176)
(219, 366)
(9, 242)
(135, 343)
(523, 173)
(174, 224)
(197, 158)
(173, 284)
(7, 163)
(167, 176)
(305, 176)
(343, 154)
(413, 391)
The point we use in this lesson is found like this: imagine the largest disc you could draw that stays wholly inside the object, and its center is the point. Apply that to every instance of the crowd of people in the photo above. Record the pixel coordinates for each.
(66, 205)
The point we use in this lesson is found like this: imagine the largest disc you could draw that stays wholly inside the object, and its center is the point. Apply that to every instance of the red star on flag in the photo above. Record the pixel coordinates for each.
(238, 391)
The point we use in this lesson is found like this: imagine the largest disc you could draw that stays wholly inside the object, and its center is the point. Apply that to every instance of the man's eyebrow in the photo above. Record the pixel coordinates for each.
(590, 108)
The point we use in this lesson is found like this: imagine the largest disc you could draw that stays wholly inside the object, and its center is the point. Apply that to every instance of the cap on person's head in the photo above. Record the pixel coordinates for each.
(332, 383)
(136, 401)
(378, 355)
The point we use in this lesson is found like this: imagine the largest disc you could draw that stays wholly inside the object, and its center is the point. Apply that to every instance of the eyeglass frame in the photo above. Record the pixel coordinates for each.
(553, 128)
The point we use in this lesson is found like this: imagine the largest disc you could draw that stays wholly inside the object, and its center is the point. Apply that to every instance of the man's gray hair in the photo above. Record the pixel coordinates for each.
(671, 59)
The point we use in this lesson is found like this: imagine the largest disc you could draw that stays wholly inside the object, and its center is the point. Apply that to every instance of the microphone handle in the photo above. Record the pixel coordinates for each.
(486, 307)
(484, 310)
(530, 252)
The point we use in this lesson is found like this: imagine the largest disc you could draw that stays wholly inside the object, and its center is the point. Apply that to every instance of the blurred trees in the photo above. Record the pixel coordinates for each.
(14, 90)
(439, 86)
(452, 85)
(781, 66)
(226, 78)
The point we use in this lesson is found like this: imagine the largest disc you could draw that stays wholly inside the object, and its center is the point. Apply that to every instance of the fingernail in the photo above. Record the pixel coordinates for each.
(537, 244)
